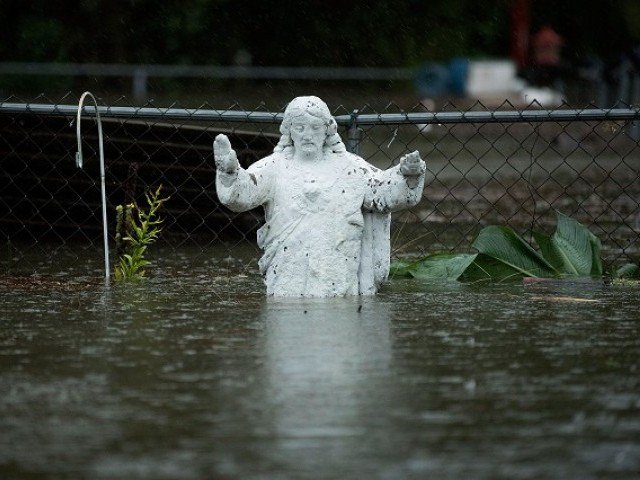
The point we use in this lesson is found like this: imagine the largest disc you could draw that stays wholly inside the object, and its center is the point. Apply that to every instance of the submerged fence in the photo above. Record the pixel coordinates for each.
(505, 166)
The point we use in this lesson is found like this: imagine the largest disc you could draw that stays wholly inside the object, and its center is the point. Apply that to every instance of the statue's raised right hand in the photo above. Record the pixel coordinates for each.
(411, 165)
(225, 156)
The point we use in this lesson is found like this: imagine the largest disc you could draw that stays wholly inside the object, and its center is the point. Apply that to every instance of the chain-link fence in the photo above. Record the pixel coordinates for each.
(499, 166)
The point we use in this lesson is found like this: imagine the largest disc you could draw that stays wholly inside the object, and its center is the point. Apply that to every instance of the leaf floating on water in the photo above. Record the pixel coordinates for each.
(572, 250)
(401, 268)
(503, 256)
(506, 256)
(442, 265)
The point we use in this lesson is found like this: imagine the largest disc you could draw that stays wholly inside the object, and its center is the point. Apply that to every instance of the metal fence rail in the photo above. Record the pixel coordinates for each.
(484, 167)
(496, 116)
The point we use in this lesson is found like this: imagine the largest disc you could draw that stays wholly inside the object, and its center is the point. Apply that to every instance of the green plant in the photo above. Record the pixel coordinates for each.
(630, 271)
(141, 228)
(502, 255)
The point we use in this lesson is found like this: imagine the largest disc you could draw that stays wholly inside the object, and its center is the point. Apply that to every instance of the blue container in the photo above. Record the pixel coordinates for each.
(436, 79)
(432, 80)
(458, 74)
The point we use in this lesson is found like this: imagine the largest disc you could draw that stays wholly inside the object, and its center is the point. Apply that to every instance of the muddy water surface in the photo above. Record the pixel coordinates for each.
(197, 375)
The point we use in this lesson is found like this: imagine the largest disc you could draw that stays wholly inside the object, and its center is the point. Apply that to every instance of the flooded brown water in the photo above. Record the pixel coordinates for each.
(195, 374)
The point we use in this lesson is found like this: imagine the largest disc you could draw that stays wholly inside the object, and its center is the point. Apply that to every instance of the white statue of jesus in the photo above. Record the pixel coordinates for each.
(327, 211)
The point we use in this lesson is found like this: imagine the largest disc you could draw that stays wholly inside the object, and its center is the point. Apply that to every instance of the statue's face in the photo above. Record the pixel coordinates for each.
(308, 133)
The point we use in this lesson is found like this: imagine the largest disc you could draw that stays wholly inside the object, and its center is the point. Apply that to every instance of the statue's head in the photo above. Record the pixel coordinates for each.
(307, 107)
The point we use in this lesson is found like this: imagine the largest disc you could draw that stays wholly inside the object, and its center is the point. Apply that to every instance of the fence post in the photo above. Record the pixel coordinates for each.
(354, 135)
(634, 101)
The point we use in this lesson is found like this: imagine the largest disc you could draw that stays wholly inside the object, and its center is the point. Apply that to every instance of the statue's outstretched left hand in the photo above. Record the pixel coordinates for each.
(411, 165)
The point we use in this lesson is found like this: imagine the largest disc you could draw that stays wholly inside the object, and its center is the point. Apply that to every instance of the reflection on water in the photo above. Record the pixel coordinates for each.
(322, 359)
(197, 375)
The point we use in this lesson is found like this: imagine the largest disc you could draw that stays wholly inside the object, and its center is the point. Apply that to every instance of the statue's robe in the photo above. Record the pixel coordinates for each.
(327, 223)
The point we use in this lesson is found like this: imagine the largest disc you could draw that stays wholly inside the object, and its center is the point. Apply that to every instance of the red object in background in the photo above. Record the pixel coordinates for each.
(520, 20)
(547, 45)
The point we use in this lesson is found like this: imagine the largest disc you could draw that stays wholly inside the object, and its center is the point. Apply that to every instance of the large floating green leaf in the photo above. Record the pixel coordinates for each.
(549, 251)
(572, 250)
(510, 255)
(488, 269)
(503, 256)
(435, 266)
(401, 268)
(596, 248)
(572, 242)
(443, 265)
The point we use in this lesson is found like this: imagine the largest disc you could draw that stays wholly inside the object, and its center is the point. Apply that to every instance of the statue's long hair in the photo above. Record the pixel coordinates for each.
(316, 107)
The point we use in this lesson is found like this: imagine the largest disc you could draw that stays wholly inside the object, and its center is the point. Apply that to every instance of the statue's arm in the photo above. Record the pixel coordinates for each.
(237, 188)
(397, 187)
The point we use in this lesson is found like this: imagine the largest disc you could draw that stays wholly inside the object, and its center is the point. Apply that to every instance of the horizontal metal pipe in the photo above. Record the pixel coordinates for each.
(144, 112)
(507, 116)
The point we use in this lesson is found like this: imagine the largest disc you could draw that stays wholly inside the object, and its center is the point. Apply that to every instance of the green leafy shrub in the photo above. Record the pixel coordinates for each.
(502, 255)
(141, 229)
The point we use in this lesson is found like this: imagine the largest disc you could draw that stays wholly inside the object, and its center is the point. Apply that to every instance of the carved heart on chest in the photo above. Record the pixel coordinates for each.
(311, 189)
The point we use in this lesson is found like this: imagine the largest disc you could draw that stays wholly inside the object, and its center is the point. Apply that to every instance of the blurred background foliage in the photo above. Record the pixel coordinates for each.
(300, 32)
(375, 33)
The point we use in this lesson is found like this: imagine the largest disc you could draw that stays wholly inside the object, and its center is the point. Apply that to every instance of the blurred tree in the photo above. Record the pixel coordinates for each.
(296, 32)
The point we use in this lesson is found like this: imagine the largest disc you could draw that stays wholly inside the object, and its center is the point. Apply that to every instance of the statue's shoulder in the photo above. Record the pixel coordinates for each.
(355, 161)
(267, 162)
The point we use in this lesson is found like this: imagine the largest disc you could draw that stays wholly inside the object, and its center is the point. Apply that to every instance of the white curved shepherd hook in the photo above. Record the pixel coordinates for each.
(107, 268)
